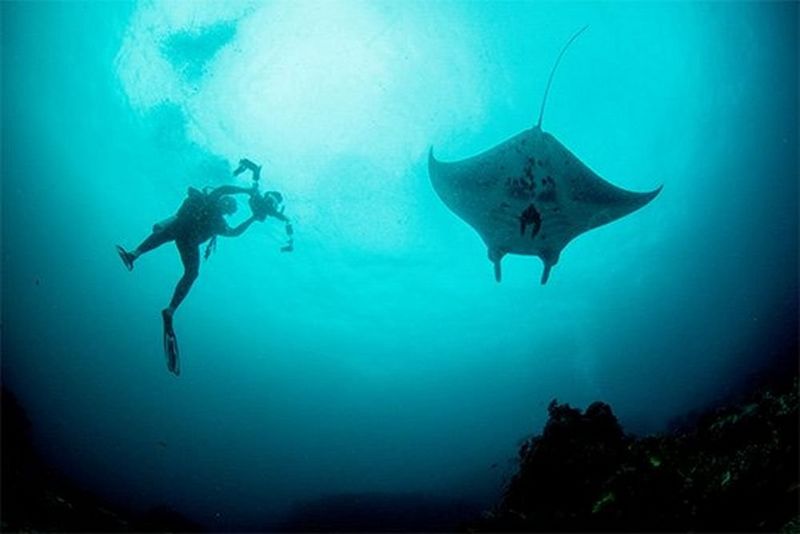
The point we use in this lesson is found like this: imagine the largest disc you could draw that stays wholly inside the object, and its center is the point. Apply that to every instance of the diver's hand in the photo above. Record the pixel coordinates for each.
(241, 168)
(245, 164)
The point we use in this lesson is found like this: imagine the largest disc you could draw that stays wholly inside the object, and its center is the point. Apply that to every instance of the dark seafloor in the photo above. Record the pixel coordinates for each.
(732, 467)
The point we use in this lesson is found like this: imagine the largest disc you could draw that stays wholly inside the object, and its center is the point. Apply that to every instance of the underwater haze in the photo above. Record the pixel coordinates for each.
(380, 356)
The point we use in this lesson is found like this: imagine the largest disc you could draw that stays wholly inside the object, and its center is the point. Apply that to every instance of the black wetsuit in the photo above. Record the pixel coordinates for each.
(189, 228)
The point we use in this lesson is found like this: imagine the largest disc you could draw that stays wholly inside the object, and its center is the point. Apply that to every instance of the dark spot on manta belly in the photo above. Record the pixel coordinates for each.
(548, 192)
(522, 187)
(530, 216)
(528, 170)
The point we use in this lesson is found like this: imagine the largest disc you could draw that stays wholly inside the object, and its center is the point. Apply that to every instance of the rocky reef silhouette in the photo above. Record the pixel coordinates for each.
(732, 469)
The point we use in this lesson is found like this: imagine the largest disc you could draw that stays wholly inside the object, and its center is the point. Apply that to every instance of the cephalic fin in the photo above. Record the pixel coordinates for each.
(549, 259)
(546, 272)
(496, 256)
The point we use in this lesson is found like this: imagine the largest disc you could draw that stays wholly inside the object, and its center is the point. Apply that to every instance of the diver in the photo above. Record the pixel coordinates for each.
(267, 205)
(200, 218)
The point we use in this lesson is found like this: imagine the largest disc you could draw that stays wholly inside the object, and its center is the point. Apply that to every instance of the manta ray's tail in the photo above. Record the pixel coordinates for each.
(552, 72)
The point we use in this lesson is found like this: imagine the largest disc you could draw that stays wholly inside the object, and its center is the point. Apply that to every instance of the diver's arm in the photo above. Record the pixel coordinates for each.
(231, 190)
(279, 215)
(239, 230)
(244, 165)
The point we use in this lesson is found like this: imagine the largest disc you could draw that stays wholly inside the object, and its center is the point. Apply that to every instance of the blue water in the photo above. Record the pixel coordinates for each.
(381, 355)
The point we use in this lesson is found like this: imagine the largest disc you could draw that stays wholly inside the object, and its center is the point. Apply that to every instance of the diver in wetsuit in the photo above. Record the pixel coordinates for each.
(268, 204)
(201, 217)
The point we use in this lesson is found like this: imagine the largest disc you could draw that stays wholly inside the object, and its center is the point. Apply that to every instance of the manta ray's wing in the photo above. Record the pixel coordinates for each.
(530, 195)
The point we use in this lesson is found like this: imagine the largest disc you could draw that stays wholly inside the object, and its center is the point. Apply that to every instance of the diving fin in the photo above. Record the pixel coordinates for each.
(171, 345)
(127, 257)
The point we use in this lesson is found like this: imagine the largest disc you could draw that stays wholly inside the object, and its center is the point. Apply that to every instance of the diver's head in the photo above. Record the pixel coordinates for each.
(227, 205)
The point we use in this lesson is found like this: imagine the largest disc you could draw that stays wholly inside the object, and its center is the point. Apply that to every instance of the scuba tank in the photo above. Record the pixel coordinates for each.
(195, 204)
(196, 207)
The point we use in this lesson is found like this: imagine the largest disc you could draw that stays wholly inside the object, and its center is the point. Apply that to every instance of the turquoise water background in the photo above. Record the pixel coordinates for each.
(381, 355)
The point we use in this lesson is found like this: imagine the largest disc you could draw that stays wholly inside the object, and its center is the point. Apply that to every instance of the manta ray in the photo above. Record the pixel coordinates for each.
(530, 195)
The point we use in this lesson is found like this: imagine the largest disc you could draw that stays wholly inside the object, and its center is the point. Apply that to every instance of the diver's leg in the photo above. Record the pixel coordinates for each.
(190, 256)
(154, 240)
